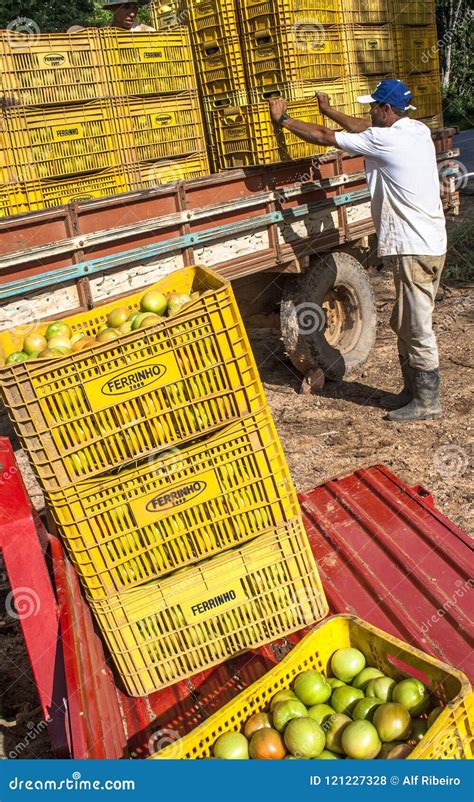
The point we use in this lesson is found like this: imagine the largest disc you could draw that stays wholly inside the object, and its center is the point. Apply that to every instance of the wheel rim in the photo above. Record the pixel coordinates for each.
(343, 319)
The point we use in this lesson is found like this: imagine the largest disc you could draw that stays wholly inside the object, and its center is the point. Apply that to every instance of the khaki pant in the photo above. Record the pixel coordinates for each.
(416, 283)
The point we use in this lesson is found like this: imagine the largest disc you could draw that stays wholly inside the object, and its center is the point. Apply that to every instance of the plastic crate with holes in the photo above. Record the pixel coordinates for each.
(289, 54)
(148, 63)
(52, 142)
(176, 508)
(266, 15)
(148, 175)
(52, 68)
(426, 91)
(197, 617)
(92, 411)
(417, 49)
(362, 85)
(210, 18)
(371, 50)
(220, 66)
(413, 12)
(366, 12)
(451, 736)
(47, 194)
(13, 200)
(154, 128)
(245, 135)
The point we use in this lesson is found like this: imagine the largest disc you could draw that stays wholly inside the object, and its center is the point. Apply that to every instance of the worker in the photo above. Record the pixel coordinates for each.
(408, 215)
(124, 15)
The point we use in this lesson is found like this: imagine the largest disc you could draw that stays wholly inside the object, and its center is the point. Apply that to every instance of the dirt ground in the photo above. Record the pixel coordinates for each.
(323, 437)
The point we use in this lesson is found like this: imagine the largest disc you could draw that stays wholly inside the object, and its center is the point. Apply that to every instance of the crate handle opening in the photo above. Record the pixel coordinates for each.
(263, 38)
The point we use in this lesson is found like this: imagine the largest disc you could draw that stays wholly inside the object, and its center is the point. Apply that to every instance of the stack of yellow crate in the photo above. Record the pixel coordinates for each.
(264, 49)
(162, 467)
(291, 49)
(97, 113)
(395, 39)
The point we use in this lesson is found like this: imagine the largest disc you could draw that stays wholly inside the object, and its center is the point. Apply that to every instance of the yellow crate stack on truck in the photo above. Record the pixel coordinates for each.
(96, 113)
(395, 39)
(162, 468)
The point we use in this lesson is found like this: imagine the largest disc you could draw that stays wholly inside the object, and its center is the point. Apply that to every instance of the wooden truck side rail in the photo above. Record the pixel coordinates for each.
(245, 221)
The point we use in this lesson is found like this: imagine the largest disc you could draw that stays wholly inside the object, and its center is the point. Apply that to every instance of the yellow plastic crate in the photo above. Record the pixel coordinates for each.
(148, 63)
(220, 66)
(48, 194)
(364, 85)
(52, 68)
(176, 508)
(153, 128)
(168, 15)
(288, 54)
(413, 12)
(338, 91)
(417, 49)
(435, 122)
(12, 200)
(215, 15)
(155, 174)
(47, 143)
(426, 90)
(198, 617)
(367, 12)
(91, 412)
(8, 172)
(261, 15)
(450, 736)
(372, 50)
(246, 135)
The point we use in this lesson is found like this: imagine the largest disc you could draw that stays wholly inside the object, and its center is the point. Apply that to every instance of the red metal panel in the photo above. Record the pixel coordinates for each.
(384, 553)
(22, 542)
(388, 556)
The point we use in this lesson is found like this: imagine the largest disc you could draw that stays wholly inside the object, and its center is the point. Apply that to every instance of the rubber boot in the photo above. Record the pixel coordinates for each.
(397, 400)
(425, 404)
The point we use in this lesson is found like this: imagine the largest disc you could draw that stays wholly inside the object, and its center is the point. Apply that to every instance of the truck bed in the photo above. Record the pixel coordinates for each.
(246, 221)
(384, 553)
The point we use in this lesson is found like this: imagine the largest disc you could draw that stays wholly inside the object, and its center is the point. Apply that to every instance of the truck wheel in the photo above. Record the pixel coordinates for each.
(328, 316)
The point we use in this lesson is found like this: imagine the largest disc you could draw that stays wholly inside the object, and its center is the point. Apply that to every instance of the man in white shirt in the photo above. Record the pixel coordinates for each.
(402, 176)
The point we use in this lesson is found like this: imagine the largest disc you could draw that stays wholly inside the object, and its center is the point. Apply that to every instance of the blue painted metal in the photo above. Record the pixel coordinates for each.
(147, 252)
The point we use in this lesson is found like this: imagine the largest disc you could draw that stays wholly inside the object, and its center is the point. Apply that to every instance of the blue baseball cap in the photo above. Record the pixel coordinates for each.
(393, 92)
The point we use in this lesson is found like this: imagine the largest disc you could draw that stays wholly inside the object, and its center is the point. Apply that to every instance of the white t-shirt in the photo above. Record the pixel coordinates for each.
(402, 175)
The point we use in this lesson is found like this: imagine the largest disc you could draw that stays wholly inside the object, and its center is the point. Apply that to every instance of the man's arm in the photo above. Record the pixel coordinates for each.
(354, 125)
(315, 134)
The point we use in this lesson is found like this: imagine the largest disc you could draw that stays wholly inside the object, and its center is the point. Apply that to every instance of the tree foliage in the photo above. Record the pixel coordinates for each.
(55, 16)
(454, 19)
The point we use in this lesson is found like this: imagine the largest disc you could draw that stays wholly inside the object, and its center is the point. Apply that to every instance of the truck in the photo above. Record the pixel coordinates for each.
(298, 236)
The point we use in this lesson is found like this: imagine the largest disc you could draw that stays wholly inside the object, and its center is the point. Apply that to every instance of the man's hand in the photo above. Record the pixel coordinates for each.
(278, 106)
(324, 102)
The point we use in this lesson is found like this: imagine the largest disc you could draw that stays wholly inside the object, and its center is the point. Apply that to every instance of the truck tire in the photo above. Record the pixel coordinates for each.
(328, 316)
